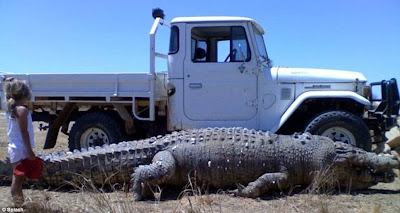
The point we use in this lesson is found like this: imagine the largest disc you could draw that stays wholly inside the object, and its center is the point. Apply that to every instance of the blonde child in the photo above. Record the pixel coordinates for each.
(20, 130)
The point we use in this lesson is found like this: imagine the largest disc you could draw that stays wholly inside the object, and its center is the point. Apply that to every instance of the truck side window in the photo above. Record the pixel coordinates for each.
(219, 44)
(240, 50)
(174, 40)
(223, 48)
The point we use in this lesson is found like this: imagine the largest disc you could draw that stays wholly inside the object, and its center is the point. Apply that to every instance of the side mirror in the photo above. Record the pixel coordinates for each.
(270, 62)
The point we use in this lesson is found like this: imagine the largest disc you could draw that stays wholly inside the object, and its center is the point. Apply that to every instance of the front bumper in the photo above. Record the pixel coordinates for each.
(386, 113)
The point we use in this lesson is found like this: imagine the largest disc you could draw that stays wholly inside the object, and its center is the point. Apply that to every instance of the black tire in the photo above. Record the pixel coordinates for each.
(108, 129)
(342, 126)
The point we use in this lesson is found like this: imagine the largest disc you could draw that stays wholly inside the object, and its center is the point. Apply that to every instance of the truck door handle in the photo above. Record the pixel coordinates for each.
(195, 85)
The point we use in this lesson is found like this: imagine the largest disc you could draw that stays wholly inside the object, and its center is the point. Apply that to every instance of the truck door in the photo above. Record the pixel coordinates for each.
(219, 83)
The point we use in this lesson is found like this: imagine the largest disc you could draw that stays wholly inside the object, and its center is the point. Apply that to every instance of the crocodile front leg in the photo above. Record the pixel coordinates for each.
(159, 171)
(263, 184)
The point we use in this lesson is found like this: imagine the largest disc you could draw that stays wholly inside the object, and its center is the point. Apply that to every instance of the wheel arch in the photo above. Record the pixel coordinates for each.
(310, 104)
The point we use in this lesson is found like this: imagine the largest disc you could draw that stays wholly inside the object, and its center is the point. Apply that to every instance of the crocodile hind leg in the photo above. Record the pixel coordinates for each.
(159, 171)
(263, 184)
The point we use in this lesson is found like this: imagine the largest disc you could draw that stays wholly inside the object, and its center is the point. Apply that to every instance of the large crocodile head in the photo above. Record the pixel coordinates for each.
(357, 169)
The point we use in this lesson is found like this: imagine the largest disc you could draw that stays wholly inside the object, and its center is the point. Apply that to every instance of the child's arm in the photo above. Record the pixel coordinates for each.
(22, 115)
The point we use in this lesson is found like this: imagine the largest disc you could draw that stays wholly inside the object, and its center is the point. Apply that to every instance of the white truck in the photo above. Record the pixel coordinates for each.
(219, 75)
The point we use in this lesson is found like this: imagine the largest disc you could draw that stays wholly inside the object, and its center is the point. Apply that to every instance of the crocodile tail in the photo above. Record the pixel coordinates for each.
(78, 167)
(97, 166)
(5, 170)
(108, 164)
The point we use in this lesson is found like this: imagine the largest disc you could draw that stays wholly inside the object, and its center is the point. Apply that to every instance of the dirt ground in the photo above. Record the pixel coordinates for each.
(380, 198)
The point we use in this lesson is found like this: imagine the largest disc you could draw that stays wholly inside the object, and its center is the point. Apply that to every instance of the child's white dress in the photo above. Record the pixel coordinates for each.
(16, 147)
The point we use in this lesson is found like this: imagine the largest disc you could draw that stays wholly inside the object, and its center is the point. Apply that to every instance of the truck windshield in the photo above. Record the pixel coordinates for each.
(260, 44)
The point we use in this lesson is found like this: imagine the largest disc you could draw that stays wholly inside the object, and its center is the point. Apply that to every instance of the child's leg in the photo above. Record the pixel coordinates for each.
(16, 188)
(16, 155)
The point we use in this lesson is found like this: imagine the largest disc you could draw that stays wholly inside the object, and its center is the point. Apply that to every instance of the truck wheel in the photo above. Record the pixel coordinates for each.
(95, 129)
(341, 126)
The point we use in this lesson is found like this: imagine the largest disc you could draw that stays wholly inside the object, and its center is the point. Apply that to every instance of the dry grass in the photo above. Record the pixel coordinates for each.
(196, 199)
(193, 199)
(317, 198)
(86, 197)
(319, 191)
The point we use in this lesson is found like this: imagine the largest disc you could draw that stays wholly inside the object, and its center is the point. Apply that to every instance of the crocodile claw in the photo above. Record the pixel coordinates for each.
(238, 191)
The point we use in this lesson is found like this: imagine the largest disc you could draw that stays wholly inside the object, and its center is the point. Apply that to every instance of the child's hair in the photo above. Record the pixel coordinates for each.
(15, 90)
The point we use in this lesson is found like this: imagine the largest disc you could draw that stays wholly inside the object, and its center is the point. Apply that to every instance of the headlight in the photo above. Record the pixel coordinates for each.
(366, 91)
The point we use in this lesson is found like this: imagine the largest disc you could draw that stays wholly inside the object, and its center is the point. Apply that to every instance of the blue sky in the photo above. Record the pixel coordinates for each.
(89, 36)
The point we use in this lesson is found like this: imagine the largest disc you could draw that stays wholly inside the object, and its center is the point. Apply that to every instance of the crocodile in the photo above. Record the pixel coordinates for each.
(253, 161)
